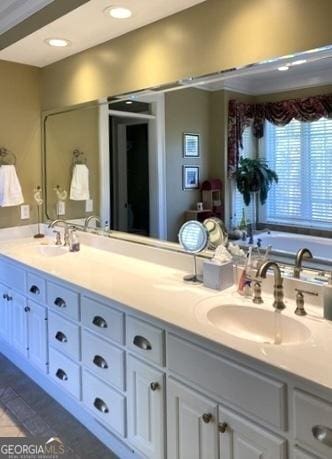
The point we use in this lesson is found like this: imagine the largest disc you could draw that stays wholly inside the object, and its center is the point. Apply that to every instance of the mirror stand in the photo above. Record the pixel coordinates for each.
(193, 278)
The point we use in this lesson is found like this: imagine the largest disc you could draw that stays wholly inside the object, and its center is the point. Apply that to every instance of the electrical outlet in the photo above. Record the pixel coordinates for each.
(25, 212)
(61, 208)
(89, 205)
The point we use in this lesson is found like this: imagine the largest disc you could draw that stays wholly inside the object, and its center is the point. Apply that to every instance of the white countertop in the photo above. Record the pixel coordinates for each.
(159, 291)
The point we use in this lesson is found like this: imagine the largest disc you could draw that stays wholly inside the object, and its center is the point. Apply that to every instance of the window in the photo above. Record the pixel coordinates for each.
(248, 151)
(301, 154)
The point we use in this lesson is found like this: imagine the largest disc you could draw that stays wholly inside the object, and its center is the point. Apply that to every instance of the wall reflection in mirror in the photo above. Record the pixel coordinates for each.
(155, 159)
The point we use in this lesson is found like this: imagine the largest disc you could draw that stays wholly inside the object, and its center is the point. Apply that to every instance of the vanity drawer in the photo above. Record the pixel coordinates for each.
(36, 288)
(146, 340)
(65, 372)
(12, 276)
(245, 389)
(105, 402)
(103, 320)
(63, 300)
(310, 413)
(104, 359)
(64, 335)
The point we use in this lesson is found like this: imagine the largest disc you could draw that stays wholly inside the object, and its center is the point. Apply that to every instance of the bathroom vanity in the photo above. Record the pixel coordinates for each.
(125, 346)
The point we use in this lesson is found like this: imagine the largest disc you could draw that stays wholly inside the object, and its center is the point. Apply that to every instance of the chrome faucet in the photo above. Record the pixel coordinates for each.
(66, 229)
(300, 256)
(278, 292)
(90, 219)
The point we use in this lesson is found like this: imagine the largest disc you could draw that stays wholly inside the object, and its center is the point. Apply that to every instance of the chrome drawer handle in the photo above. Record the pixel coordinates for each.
(142, 343)
(9, 298)
(323, 434)
(27, 309)
(34, 289)
(61, 337)
(61, 375)
(222, 427)
(101, 405)
(5, 296)
(100, 362)
(99, 322)
(60, 302)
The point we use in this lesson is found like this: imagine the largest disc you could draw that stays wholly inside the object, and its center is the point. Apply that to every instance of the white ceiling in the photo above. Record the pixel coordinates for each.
(12, 12)
(268, 80)
(87, 26)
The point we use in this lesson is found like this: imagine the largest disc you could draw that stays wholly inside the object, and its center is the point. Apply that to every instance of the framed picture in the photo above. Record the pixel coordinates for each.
(191, 145)
(190, 180)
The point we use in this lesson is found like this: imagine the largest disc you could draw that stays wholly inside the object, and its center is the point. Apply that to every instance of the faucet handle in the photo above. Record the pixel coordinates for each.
(300, 311)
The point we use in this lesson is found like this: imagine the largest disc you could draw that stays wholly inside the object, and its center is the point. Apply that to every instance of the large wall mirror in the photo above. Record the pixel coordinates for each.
(146, 162)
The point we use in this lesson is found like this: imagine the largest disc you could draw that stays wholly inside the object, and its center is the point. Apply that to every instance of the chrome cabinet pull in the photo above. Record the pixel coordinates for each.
(142, 343)
(9, 298)
(154, 386)
(323, 434)
(61, 337)
(61, 375)
(5, 296)
(34, 289)
(207, 417)
(100, 362)
(60, 302)
(222, 427)
(101, 405)
(27, 309)
(99, 322)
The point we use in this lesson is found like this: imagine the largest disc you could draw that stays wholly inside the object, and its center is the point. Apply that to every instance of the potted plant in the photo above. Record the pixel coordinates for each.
(254, 176)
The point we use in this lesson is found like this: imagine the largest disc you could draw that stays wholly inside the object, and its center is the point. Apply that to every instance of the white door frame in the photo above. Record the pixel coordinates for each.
(157, 161)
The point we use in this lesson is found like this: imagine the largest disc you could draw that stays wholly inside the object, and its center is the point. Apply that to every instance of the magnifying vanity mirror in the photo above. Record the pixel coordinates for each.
(158, 158)
(194, 238)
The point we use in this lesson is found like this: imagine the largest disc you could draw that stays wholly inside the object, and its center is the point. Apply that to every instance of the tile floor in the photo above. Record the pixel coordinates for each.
(27, 411)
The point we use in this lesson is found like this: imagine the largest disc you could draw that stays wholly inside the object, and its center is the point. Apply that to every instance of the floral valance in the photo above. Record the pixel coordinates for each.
(242, 115)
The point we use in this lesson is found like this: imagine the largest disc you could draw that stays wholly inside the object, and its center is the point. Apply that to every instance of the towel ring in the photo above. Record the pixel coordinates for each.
(7, 157)
(79, 157)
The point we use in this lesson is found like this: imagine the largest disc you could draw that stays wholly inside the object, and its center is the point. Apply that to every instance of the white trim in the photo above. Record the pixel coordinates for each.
(122, 114)
(104, 165)
(13, 14)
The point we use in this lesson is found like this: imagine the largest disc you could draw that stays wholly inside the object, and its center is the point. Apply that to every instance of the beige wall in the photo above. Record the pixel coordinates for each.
(20, 131)
(186, 110)
(66, 132)
(216, 34)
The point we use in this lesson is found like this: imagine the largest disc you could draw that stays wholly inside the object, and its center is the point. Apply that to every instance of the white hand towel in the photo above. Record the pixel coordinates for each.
(10, 188)
(79, 189)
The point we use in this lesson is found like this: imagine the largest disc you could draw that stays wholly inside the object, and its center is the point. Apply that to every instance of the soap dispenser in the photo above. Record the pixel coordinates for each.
(74, 245)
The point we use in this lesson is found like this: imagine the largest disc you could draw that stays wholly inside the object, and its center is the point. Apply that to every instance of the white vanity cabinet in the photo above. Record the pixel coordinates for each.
(5, 314)
(192, 424)
(242, 439)
(156, 390)
(146, 410)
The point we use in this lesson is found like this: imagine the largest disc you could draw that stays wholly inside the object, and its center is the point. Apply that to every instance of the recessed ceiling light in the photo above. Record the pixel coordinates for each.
(118, 12)
(283, 68)
(129, 102)
(299, 62)
(57, 42)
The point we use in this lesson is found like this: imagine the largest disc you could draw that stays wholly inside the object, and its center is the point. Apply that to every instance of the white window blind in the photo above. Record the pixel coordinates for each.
(248, 151)
(301, 154)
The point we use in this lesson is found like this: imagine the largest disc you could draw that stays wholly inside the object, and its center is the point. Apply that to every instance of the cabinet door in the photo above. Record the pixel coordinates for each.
(241, 439)
(146, 412)
(5, 313)
(192, 424)
(37, 335)
(20, 323)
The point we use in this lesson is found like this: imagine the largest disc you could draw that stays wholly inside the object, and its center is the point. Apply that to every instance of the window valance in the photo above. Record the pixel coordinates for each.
(242, 115)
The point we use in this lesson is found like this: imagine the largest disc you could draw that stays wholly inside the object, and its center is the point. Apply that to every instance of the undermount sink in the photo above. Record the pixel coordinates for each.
(254, 324)
(52, 250)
